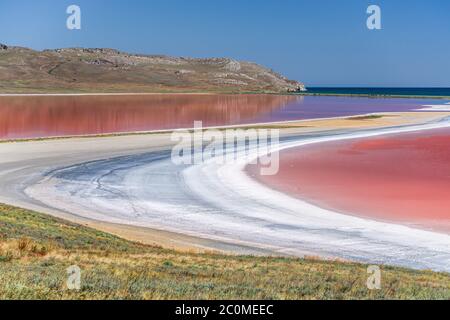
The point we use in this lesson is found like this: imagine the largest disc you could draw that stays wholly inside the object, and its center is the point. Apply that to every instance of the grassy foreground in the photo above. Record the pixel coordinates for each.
(36, 250)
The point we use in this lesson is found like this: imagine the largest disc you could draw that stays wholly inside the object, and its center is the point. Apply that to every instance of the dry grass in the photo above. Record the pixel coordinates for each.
(35, 251)
(72, 71)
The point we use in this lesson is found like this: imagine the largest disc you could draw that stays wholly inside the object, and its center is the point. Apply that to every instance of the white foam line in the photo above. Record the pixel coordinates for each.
(435, 107)
(383, 241)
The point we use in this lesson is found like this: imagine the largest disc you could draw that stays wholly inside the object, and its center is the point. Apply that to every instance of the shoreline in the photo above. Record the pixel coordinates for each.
(113, 263)
(373, 96)
(349, 95)
(401, 119)
(286, 184)
(269, 125)
(287, 124)
(70, 117)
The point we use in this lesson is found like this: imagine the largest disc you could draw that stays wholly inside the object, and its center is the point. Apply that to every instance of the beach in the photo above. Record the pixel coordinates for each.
(141, 192)
(42, 116)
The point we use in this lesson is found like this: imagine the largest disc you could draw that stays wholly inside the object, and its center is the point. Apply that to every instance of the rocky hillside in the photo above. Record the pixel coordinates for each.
(108, 70)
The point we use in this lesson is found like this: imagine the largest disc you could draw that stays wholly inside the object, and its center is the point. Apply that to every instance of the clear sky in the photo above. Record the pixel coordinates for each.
(319, 42)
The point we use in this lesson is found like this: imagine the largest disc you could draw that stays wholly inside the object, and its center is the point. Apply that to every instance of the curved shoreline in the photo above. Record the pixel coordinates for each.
(22, 165)
(224, 204)
(47, 117)
(399, 178)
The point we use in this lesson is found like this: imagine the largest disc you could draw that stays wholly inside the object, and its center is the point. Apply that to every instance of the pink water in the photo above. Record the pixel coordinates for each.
(403, 178)
(43, 116)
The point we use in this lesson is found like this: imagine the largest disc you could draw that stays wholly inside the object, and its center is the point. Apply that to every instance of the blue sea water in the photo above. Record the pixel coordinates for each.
(425, 92)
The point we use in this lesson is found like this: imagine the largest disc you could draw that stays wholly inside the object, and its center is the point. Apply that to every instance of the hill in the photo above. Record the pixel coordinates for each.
(24, 70)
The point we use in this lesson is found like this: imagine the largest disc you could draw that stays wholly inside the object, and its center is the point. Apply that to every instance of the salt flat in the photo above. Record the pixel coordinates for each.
(132, 181)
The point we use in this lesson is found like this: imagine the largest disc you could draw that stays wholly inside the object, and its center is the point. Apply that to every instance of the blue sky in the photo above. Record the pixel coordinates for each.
(321, 42)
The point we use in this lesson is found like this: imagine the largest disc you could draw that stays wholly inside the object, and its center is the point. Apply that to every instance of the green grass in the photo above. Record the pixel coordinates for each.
(36, 249)
(367, 117)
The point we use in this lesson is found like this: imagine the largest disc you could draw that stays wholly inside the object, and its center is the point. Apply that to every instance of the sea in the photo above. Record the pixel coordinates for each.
(416, 92)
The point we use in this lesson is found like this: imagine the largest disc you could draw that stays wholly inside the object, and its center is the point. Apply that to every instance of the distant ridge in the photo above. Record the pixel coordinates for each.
(25, 70)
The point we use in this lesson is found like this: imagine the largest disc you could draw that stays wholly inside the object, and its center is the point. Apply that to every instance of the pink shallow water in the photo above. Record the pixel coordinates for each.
(43, 116)
(403, 178)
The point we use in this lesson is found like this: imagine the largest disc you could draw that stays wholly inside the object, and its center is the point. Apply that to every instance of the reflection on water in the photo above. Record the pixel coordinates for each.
(43, 116)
